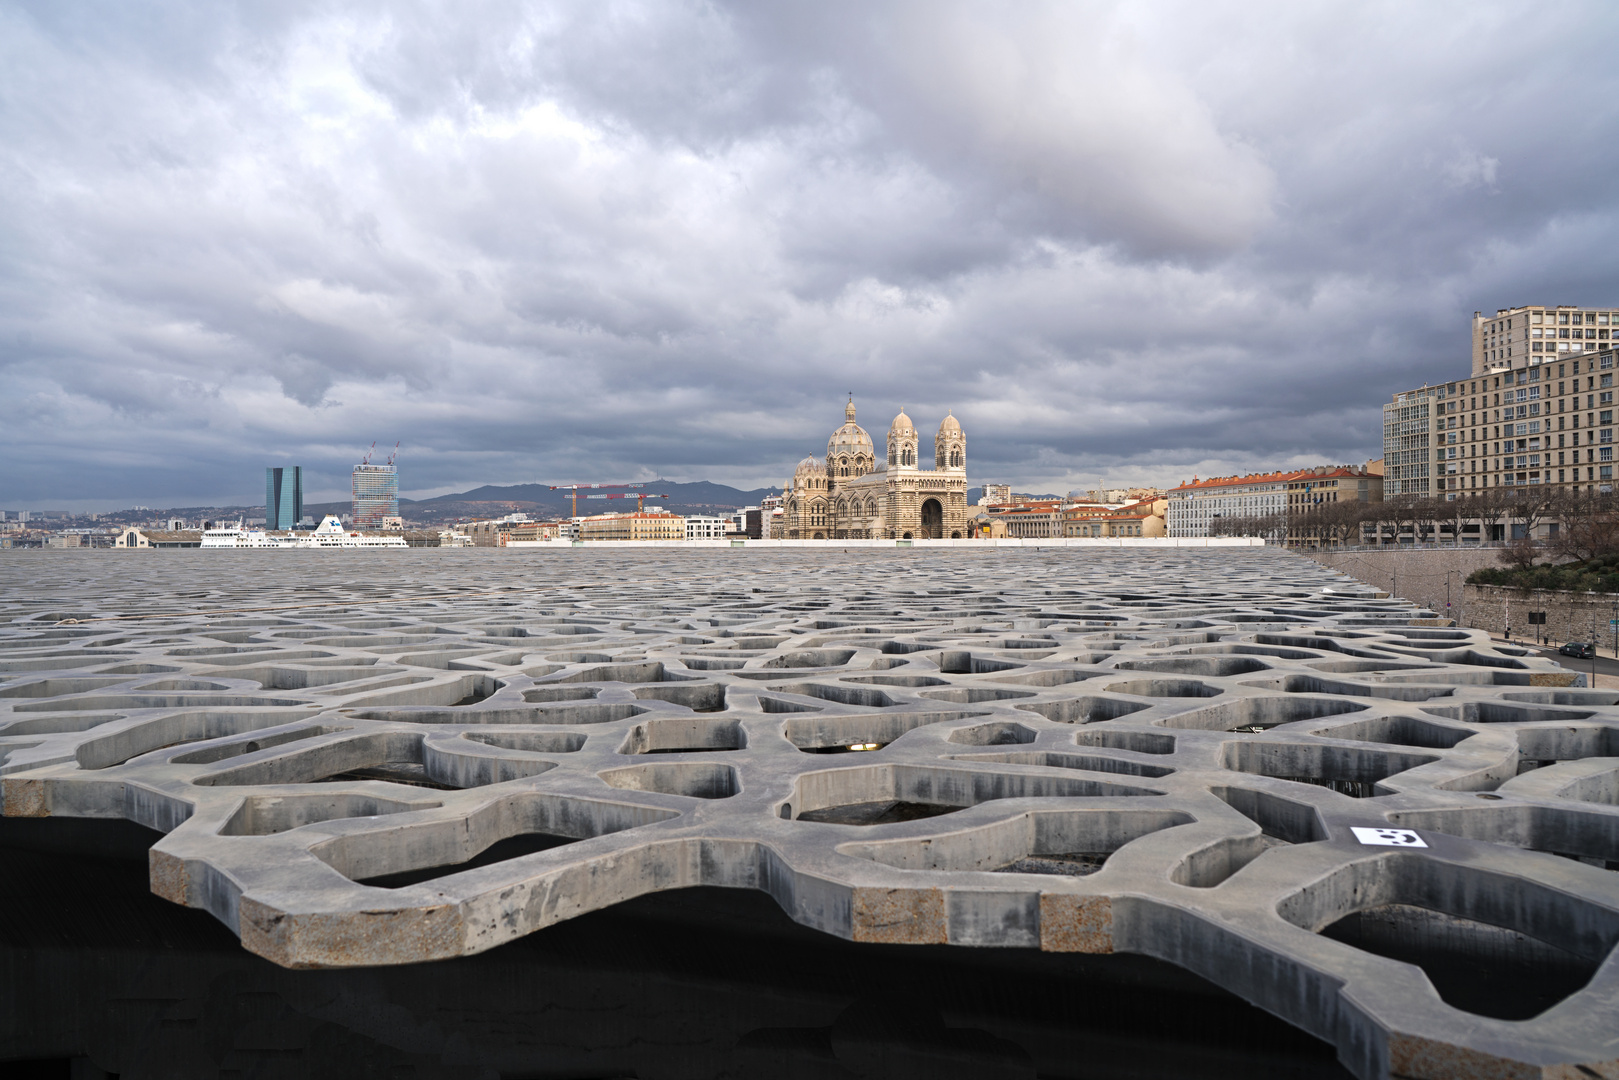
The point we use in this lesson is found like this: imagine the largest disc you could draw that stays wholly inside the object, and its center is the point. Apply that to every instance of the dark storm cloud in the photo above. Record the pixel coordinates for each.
(610, 241)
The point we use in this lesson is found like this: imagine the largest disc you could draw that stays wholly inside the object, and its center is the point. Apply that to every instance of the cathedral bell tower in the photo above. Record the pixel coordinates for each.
(902, 441)
(950, 445)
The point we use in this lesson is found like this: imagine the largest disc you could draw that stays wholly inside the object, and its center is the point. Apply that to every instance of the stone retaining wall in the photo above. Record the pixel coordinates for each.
(1419, 575)
(1570, 616)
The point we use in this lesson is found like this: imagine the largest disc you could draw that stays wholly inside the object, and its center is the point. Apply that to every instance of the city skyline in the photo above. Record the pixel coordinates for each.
(562, 242)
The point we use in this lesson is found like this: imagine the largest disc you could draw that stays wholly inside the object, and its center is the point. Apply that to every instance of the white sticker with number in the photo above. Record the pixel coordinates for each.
(1388, 837)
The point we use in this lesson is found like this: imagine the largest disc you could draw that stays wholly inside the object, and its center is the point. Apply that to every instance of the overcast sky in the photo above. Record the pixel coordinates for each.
(613, 241)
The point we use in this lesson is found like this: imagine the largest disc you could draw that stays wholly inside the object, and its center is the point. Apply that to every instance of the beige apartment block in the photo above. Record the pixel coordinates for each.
(1540, 331)
(1145, 517)
(641, 525)
(1324, 486)
(529, 532)
(1327, 484)
(1032, 520)
(1527, 421)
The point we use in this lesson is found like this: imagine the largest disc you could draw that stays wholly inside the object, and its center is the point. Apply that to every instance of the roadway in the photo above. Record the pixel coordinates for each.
(1605, 665)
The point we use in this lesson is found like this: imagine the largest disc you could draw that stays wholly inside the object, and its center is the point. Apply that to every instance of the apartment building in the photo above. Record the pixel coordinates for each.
(1327, 484)
(1541, 331)
(995, 494)
(1418, 461)
(1193, 507)
(642, 525)
(705, 527)
(1527, 420)
(1032, 521)
(1324, 486)
(529, 532)
(1138, 517)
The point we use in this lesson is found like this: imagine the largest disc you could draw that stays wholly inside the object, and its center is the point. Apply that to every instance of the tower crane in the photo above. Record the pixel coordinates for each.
(638, 496)
(576, 488)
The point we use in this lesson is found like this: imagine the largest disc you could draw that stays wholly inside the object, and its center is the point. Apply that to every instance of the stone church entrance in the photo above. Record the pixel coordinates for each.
(932, 519)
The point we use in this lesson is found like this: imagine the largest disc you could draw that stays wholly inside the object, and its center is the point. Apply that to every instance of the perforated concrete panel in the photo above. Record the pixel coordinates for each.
(1389, 831)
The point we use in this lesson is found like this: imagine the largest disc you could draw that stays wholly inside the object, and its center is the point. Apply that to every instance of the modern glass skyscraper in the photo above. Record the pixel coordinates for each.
(376, 494)
(283, 497)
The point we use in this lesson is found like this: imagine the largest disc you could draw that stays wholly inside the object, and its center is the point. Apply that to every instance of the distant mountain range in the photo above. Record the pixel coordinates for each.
(538, 500)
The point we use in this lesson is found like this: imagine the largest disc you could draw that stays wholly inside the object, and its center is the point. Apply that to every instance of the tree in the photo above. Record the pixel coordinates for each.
(1402, 509)
(1310, 525)
(1342, 521)
(1455, 514)
(1424, 516)
(1381, 515)
(1532, 505)
(1520, 553)
(1588, 528)
(1490, 506)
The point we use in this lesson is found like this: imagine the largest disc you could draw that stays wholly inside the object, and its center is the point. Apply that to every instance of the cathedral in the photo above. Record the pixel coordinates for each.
(853, 495)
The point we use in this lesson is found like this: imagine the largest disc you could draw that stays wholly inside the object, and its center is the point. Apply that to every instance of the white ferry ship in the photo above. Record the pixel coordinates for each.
(330, 533)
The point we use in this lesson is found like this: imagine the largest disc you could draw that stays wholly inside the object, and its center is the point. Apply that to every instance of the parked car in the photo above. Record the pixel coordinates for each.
(1579, 649)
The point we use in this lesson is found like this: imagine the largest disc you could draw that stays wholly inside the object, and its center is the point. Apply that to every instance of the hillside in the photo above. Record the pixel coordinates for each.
(538, 500)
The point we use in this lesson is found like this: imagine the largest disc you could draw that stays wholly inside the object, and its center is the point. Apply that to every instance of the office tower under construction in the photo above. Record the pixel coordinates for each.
(376, 495)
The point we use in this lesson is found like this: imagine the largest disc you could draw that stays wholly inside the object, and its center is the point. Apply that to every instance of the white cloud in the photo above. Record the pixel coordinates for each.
(1471, 169)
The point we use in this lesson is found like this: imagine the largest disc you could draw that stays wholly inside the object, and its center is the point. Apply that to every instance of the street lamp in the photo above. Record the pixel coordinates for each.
(1593, 595)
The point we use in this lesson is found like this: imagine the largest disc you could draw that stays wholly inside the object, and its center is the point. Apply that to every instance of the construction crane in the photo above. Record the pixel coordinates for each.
(392, 455)
(367, 459)
(576, 488)
(638, 496)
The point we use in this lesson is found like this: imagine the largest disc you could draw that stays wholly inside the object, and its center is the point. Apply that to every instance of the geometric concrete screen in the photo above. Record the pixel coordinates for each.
(1389, 831)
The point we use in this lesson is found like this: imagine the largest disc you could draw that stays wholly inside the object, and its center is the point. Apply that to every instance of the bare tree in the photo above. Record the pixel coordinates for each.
(1403, 510)
(1310, 525)
(1520, 553)
(1424, 515)
(1346, 519)
(1456, 514)
(1588, 528)
(1491, 507)
(1386, 516)
(1533, 505)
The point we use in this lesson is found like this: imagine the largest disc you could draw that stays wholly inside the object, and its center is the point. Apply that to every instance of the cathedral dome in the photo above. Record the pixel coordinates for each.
(950, 423)
(851, 438)
(808, 465)
(901, 423)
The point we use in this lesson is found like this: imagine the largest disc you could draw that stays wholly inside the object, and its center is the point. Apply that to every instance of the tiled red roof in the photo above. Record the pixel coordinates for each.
(1270, 478)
